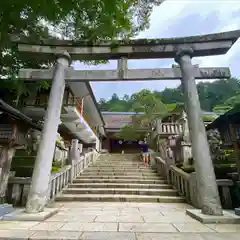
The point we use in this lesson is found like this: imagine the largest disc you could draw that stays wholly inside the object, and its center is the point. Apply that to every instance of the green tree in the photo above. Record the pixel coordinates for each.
(233, 101)
(146, 102)
(217, 92)
(104, 104)
(90, 20)
(172, 95)
(211, 95)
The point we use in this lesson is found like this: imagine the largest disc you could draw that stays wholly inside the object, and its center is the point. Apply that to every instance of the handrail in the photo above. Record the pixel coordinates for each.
(161, 160)
(58, 181)
(185, 175)
(18, 187)
(186, 183)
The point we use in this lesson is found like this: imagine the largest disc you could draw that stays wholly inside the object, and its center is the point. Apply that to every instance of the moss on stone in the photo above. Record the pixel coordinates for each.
(232, 35)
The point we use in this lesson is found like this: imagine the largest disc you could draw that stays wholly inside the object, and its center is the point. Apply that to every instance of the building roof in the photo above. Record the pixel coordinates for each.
(232, 116)
(115, 120)
(16, 114)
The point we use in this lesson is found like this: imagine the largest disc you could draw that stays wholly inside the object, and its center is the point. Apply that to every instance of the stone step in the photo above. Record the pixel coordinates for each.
(119, 161)
(118, 198)
(120, 185)
(111, 180)
(95, 173)
(120, 172)
(119, 165)
(144, 169)
(121, 191)
(118, 177)
(141, 168)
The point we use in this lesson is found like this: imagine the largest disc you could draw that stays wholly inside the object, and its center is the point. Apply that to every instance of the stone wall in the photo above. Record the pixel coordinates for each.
(24, 159)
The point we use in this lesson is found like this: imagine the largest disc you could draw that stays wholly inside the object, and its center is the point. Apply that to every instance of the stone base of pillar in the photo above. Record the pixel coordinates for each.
(228, 217)
(21, 215)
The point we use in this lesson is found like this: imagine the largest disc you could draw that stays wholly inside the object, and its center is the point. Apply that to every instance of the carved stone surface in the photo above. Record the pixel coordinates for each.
(211, 44)
(129, 75)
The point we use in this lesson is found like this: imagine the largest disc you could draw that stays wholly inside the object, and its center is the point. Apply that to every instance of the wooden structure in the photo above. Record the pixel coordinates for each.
(13, 130)
(14, 126)
(77, 113)
(228, 125)
(114, 121)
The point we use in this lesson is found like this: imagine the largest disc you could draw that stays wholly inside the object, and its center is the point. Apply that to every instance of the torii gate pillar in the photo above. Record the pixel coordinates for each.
(207, 186)
(38, 193)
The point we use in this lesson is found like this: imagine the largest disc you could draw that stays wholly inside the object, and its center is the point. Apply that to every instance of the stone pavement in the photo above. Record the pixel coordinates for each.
(125, 221)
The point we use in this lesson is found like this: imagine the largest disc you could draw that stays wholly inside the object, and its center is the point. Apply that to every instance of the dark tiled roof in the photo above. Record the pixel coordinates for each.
(117, 120)
(16, 114)
(232, 116)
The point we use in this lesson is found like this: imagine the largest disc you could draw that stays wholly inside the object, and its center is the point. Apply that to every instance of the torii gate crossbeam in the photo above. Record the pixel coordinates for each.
(72, 75)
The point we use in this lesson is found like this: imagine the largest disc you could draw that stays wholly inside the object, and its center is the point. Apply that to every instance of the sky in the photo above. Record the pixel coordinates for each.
(178, 18)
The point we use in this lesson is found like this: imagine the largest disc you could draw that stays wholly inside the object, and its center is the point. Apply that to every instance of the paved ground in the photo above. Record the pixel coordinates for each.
(125, 221)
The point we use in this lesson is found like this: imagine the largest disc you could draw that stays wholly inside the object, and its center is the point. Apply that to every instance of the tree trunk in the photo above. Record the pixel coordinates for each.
(6, 155)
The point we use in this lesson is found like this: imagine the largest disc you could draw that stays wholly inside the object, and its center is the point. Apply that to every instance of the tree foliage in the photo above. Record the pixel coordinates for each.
(143, 102)
(90, 20)
(219, 96)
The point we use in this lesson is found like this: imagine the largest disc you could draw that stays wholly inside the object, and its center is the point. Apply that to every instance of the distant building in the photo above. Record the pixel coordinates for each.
(114, 121)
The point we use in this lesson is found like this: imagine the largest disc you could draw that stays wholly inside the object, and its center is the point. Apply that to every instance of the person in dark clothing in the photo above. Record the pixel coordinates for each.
(145, 155)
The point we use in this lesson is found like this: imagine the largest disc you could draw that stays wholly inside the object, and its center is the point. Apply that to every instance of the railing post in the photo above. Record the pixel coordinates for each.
(80, 147)
(193, 190)
(74, 152)
(74, 156)
(85, 161)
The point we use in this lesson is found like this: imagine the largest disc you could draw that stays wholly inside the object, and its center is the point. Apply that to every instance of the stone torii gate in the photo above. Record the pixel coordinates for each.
(181, 49)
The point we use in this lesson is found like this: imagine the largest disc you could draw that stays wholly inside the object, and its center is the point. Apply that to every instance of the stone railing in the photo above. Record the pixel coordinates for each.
(170, 128)
(59, 181)
(186, 184)
(181, 181)
(160, 166)
(18, 187)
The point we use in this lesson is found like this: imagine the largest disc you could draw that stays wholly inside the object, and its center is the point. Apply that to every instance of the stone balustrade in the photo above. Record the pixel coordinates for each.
(18, 187)
(186, 184)
(180, 180)
(170, 128)
(59, 181)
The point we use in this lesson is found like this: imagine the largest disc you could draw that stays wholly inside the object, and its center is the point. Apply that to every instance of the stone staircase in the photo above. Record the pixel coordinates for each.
(119, 178)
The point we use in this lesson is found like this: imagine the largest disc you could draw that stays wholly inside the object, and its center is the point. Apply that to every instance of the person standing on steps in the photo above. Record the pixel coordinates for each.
(145, 155)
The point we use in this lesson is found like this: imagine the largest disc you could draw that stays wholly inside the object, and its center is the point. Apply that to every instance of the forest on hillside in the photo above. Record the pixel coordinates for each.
(218, 96)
